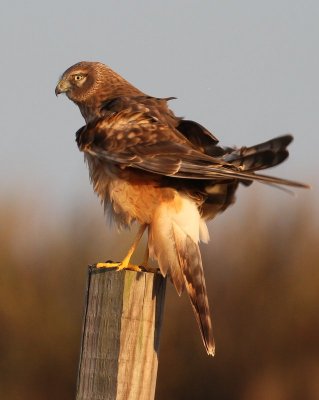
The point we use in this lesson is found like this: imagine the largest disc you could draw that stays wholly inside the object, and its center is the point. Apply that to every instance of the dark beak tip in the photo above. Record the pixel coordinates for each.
(57, 90)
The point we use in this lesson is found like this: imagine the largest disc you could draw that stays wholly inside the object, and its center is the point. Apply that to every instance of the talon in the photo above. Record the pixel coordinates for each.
(119, 266)
(125, 264)
(131, 267)
(107, 264)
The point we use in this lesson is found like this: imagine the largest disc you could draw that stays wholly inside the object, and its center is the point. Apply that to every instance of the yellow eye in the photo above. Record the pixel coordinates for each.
(78, 77)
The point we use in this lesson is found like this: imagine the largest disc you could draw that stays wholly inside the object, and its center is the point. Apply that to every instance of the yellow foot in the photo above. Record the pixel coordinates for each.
(120, 266)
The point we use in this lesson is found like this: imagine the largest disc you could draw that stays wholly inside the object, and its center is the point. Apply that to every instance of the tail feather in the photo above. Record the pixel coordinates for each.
(261, 156)
(173, 240)
(262, 160)
(191, 265)
(161, 247)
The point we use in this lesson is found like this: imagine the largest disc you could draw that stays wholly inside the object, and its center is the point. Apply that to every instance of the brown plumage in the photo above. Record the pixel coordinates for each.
(165, 172)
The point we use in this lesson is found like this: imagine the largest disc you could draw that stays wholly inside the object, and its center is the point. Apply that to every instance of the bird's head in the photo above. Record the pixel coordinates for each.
(81, 80)
(86, 80)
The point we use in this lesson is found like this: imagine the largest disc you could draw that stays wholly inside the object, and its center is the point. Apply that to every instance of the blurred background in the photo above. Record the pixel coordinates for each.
(246, 70)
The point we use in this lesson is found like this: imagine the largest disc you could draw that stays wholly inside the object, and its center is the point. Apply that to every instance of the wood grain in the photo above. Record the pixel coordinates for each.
(121, 331)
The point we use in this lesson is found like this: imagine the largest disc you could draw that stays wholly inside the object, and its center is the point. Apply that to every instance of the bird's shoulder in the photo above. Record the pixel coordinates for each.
(142, 104)
(138, 112)
(130, 120)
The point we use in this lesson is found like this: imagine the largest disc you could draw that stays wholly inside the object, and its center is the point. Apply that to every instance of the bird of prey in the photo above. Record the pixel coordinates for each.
(167, 173)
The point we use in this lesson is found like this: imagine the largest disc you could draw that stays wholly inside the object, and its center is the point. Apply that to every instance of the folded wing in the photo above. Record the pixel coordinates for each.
(136, 138)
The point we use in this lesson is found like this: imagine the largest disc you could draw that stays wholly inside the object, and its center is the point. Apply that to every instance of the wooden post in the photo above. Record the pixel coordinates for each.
(120, 339)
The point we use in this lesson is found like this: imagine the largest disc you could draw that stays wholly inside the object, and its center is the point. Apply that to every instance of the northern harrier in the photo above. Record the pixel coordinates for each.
(166, 173)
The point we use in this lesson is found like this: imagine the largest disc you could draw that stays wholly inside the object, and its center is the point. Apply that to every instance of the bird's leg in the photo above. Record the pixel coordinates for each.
(145, 262)
(125, 264)
(146, 257)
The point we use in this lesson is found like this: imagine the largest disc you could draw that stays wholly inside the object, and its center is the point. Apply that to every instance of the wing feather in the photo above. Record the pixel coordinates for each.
(137, 139)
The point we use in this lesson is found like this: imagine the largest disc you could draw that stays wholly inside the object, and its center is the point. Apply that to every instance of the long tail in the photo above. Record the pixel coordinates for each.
(173, 241)
(261, 156)
(190, 262)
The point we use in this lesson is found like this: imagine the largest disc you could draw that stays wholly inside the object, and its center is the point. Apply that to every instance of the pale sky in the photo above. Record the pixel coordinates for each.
(247, 70)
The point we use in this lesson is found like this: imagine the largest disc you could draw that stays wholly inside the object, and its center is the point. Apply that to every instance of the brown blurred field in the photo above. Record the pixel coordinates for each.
(262, 271)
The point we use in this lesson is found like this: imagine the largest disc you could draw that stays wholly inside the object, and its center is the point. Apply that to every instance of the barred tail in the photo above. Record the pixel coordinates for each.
(261, 156)
(173, 241)
(190, 262)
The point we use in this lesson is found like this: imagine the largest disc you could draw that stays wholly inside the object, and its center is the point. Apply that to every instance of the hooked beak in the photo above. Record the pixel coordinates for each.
(62, 87)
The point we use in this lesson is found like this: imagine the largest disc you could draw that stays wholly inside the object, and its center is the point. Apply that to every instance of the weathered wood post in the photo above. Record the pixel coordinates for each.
(120, 339)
